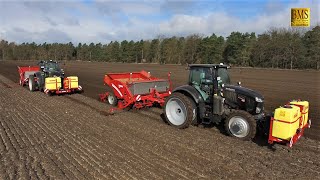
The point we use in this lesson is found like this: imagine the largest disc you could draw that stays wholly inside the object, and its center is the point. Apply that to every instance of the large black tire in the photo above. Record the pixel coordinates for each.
(112, 99)
(178, 110)
(32, 83)
(241, 124)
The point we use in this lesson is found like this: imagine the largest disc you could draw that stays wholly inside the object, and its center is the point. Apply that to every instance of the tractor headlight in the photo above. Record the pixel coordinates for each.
(259, 99)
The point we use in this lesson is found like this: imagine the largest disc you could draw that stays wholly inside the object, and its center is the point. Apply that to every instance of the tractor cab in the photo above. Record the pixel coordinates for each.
(208, 78)
(51, 68)
(212, 80)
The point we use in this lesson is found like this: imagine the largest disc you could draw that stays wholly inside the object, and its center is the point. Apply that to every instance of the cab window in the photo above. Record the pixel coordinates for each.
(224, 75)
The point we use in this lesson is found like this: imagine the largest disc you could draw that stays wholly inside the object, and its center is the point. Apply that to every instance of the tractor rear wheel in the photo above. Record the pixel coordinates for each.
(32, 83)
(112, 99)
(241, 124)
(179, 111)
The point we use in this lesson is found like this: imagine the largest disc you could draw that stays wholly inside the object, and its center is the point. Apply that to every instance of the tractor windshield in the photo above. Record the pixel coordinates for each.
(224, 75)
(53, 66)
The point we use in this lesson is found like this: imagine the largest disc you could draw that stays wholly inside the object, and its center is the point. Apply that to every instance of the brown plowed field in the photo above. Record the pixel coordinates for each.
(74, 137)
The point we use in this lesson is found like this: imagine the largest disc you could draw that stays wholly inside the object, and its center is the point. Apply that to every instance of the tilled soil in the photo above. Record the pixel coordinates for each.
(74, 137)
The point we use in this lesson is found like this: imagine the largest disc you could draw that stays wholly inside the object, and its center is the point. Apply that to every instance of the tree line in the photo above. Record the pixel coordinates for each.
(276, 48)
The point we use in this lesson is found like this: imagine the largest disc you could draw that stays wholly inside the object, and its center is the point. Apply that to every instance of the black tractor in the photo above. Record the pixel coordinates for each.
(47, 69)
(210, 98)
(51, 68)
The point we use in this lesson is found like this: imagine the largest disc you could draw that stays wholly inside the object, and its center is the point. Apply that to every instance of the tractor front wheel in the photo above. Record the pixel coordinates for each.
(179, 111)
(32, 83)
(241, 124)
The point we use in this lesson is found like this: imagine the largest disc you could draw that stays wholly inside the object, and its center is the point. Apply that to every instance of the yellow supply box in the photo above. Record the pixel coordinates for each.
(304, 112)
(73, 82)
(53, 83)
(286, 122)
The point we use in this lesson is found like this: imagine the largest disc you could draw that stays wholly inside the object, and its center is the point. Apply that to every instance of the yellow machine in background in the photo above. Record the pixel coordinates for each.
(71, 82)
(286, 122)
(53, 83)
(304, 106)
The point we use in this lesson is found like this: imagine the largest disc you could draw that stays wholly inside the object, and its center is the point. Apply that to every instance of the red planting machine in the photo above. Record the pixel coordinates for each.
(135, 90)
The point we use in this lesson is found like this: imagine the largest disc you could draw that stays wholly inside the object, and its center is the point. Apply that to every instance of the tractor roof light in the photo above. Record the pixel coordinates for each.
(258, 99)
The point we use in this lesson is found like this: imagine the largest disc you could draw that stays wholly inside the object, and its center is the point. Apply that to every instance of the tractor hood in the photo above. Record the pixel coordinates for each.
(244, 91)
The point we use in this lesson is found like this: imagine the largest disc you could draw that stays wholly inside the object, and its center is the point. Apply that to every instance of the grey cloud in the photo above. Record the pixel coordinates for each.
(50, 21)
(20, 35)
(52, 35)
(116, 11)
(108, 8)
(178, 6)
(106, 37)
(18, 30)
(126, 7)
(71, 21)
(43, 6)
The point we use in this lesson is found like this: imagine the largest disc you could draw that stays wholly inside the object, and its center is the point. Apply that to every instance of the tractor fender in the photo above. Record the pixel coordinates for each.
(191, 92)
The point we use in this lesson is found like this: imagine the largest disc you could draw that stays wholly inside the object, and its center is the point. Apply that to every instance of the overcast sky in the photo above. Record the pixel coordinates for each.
(104, 21)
